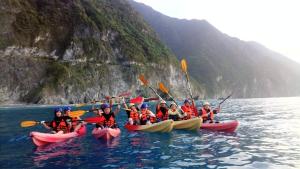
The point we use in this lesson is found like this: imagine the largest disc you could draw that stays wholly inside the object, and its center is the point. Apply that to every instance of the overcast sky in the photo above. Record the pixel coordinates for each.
(273, 23)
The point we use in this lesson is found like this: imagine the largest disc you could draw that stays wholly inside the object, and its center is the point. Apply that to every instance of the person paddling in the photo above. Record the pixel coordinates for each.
(59, 123)
(75, 123)
(162, 111)
(146, 117)
(175, 113)
(207, 113)
(189, 109)
(133, 112)
(108, 118)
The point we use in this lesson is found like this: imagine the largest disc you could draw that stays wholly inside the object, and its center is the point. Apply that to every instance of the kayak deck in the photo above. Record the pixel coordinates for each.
(223, 126)
(190, 124)
(40, 139)
(163, 126)
(106, 133)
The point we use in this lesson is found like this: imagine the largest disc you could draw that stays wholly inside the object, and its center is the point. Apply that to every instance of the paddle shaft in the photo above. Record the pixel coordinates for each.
(155, 92)
(225, 99)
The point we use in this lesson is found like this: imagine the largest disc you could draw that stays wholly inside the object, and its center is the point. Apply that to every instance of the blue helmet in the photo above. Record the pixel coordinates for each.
(67, 108)
(144, 105)
(58, 109)
(104, 106)
(186, 101)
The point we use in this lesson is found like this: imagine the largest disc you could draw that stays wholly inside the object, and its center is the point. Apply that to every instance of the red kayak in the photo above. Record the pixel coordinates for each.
(40, 139)
(229, 126)
(106, 133)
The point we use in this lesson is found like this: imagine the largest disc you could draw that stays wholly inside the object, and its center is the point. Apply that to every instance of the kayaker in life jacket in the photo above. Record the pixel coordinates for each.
(75, 123)
(175, 113)
(133, 112)
(189, 109)
(162, 111)
(207, 113)
(59, 123)
(107, 120)
(146, 116)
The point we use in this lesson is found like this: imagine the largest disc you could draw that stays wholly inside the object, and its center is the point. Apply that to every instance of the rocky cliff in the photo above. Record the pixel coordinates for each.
(72, 51)
(223, 64)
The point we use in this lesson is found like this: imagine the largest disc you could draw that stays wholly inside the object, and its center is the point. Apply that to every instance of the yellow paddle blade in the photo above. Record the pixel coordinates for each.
(77, 113)
(143, 79)
(163, 88)
(184, 65)
(80, 105)
(28, 123)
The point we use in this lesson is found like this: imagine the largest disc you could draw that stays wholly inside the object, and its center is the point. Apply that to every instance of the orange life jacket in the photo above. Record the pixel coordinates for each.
(145, 117)
(62, 126)
(134, 116)
(161, 116)
(111, 122)
(190, 111)
(205, 114)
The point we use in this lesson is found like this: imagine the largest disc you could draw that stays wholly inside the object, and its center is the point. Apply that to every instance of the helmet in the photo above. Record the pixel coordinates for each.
(104, 106)
(131, 104)
(186, 101)
(67, 108)
(163, 102)
(206, 103)
(144, 105)
(58, 109)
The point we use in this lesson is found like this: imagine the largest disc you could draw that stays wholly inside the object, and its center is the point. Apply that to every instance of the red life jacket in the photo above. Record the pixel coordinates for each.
(111, 122)
(161, 116)
(205, 114)
(62, 126)
(190, 111)
(134, 116)
(145, 117)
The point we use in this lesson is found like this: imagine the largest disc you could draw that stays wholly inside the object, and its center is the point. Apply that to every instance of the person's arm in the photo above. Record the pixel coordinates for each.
(45, 125)
(117, 110)
(151, 114)
(217, 110)
(124, 103)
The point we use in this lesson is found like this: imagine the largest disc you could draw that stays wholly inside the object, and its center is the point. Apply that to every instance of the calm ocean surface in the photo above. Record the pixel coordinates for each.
(268, 137)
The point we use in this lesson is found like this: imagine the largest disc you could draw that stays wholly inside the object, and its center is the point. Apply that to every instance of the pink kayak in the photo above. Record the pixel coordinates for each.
(40, 139)
(106, 133)
(223, 126)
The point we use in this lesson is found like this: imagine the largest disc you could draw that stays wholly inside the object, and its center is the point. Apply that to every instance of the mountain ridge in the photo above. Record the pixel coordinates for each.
(224, 64)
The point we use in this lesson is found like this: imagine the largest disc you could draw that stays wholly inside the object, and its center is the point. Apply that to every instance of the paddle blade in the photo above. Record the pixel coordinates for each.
(163, 88)
(184, 65)
(143, 79)
(28, 123)
(136, 100)
(77, 113)
(92, 119)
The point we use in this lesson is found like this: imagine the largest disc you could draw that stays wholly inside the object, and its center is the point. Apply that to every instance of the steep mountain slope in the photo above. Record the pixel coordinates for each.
(64, 51)
(224, 64)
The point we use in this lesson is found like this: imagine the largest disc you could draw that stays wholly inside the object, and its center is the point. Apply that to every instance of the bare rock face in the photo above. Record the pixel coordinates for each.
(59, 52)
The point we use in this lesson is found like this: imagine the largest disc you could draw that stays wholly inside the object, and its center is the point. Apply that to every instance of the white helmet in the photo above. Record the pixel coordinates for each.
(206, 103)
(163, 102)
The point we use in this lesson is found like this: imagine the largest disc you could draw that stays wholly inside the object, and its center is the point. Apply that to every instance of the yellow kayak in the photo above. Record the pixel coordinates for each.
(190, 124)
(164, 126)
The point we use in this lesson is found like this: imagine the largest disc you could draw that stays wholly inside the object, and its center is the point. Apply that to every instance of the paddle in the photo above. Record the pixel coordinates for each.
(163, 88)
(136, 100)
(77, 113)
(33, 123)
(184, 69)
(225, 99)
(145, 82)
